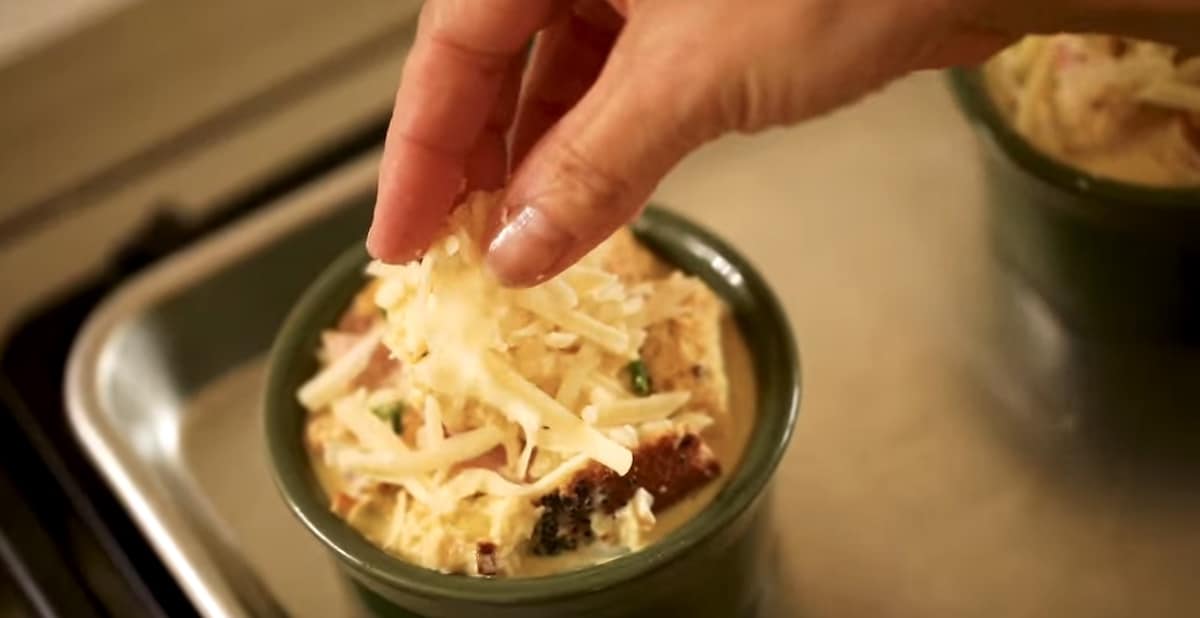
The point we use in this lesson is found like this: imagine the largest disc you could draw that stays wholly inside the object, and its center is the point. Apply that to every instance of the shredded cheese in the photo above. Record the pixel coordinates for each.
(1172, 94)
(637, 410)
(564, 430)
(336, 378)
(452, 325)
(354, 413)
(399, 465)
(431, 434)
(542, 303)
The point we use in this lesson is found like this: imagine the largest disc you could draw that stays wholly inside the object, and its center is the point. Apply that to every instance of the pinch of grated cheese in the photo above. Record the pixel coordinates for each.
(447, 321)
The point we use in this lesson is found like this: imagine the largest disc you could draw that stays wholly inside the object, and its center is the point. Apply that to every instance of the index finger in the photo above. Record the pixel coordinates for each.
(450, 84)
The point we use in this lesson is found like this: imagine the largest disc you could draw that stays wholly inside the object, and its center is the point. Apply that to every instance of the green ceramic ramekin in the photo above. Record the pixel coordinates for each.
(1116, 261)
(720, 564)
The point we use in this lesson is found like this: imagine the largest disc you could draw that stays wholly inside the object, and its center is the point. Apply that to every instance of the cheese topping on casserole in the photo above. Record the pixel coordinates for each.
(471, 428)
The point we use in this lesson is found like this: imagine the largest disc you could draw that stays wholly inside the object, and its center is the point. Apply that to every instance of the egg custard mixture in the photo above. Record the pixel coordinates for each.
(478, 430)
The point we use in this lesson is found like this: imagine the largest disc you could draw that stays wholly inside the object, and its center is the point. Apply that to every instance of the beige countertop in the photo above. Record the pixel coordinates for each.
(903, 493)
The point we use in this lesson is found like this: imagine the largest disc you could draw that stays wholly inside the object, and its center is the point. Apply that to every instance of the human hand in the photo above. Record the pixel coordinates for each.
(617, 92)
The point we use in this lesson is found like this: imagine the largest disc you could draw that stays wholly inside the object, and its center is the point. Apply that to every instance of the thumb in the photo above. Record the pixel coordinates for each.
(595, 169)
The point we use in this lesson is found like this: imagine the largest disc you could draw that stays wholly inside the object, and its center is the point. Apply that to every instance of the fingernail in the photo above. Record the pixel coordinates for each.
(373, 246)
(385, 245)
(527, 248)
(380, 249)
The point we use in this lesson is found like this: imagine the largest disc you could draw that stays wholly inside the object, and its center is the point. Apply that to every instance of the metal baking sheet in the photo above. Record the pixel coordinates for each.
(931, 474)
(163, 391)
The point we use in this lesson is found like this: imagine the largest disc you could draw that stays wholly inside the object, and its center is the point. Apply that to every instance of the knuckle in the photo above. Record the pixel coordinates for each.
(748, 104)
(584, 197)
(607, 189)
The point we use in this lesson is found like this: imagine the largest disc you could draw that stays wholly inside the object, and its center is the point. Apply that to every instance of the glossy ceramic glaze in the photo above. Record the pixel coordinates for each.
(1117, 261)
(721, 563)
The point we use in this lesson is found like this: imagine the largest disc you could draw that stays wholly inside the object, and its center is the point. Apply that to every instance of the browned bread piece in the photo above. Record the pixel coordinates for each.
(670, 466)
(630, 261)
(683, 352)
